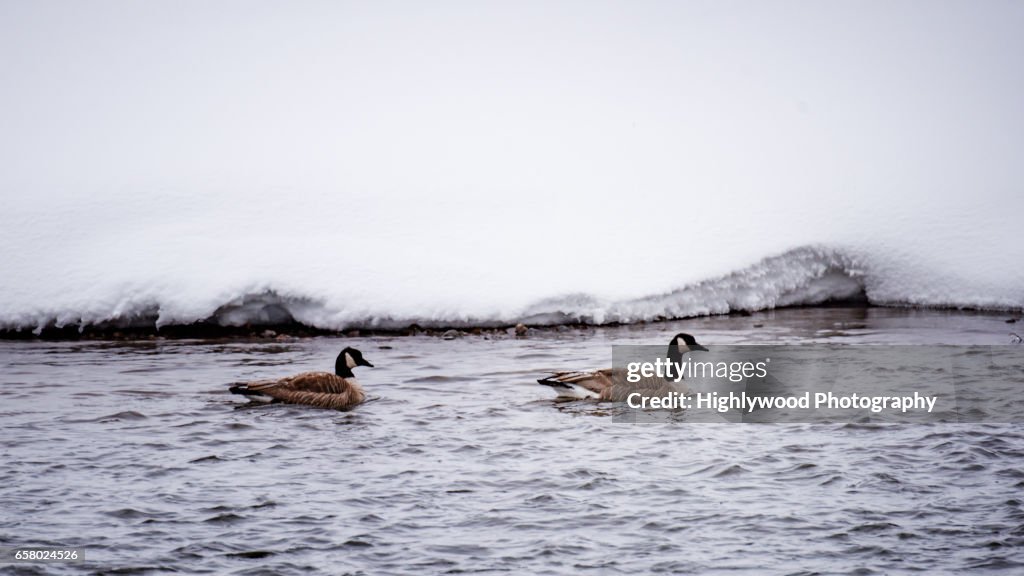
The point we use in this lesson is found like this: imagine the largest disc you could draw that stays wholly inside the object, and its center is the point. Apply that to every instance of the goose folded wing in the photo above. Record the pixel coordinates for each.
(321, 389)
(596, 381)
(313, 382)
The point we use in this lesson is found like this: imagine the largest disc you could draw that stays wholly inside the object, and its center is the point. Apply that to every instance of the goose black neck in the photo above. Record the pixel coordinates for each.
(674, 354)
(341, 367)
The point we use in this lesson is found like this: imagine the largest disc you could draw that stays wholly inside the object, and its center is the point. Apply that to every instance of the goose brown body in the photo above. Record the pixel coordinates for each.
(338, 391)
(611, 385)
(320, 389)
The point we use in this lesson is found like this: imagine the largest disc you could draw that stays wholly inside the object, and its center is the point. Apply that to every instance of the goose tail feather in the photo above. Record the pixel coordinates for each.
(243, 388)
(549, 381)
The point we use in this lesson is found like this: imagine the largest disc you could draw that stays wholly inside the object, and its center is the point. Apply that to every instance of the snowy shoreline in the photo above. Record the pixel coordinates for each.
(808, 276)
(210, 329)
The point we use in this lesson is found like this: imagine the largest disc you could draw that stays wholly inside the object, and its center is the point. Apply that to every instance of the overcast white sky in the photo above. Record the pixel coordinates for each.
(475, 96)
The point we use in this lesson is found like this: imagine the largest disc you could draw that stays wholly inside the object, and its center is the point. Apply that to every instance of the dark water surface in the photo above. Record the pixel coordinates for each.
(135, 452)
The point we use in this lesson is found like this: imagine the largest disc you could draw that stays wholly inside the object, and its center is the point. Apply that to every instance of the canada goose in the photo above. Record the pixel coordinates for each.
(338, 391)
(602, 384)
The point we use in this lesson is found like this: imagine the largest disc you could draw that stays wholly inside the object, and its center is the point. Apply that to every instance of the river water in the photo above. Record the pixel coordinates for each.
(135, 453)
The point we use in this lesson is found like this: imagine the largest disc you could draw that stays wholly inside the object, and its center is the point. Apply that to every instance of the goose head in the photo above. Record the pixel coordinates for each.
(348, 359)
(681, 344)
